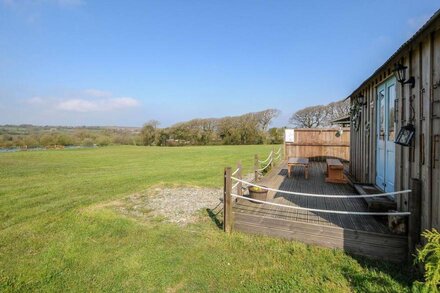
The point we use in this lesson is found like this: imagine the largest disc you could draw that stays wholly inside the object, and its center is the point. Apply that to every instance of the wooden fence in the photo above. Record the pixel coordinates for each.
(318, 143)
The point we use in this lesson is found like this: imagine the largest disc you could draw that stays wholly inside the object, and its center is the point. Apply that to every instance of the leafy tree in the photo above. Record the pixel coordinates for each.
(148, 132)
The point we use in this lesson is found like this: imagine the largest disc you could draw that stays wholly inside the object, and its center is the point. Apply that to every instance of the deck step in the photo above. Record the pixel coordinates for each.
(375, 204)
(371, 244)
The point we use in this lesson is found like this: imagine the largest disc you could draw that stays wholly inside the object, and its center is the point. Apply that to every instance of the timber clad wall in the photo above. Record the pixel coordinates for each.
(422, 103)
(318, 143)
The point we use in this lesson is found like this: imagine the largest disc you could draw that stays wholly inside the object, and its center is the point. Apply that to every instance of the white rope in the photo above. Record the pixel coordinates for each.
(268, 164)
(322, 195)
(277, 157)
(235, 185)
(268, 157)
(235, 172)
(324, 211)
(277, 152)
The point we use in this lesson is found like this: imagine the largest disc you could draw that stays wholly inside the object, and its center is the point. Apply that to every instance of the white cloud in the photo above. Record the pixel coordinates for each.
(35, 101)
(69, 2)
(102, 105)
(97, 93)
(64, 3)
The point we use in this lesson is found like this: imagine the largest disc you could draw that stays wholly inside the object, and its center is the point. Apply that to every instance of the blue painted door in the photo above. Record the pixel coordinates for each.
(385, 133)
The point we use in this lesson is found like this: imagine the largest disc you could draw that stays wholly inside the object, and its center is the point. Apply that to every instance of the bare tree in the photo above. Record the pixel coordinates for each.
(267, 116)
(320, 116)
(337, 110)
(309, 117)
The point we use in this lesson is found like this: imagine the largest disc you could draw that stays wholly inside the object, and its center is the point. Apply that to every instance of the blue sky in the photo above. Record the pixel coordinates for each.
(84, 62)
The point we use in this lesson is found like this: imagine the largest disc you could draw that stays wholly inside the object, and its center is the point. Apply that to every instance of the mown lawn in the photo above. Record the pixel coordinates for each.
(56, 236)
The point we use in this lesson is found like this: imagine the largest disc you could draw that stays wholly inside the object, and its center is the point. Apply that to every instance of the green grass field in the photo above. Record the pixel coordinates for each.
(56, 236)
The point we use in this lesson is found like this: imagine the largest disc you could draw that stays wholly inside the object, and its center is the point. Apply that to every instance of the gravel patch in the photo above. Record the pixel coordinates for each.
(175, 205)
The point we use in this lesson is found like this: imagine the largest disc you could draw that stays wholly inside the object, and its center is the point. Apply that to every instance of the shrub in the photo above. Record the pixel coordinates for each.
(88, 142)
(429, 255)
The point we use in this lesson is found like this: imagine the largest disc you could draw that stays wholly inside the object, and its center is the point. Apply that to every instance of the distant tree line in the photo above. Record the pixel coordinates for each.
(321, 115)
(250, 128)
(35, 136)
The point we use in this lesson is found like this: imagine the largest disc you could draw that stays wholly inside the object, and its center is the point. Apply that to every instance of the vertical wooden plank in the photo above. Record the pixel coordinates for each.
(414, 225)
(414, 113)
(426, 125)
(227, 202)
(400, 151)
(435, 132)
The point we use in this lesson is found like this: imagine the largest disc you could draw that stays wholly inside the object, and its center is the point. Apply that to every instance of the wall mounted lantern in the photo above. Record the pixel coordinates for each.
(400, 71)
(405, 135)
(361, 100)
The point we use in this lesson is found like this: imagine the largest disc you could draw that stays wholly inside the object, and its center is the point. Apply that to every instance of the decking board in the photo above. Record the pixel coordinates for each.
(363, 235)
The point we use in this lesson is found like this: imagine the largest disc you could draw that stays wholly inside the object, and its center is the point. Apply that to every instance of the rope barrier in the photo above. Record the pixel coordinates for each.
(324, 211)
(264, 168)
(277, 152)
(268, 157)
(235, 185)
(321, 195)
(235, 172)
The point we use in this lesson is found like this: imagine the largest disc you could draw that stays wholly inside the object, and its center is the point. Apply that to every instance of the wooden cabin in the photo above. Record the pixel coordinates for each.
(400, 101)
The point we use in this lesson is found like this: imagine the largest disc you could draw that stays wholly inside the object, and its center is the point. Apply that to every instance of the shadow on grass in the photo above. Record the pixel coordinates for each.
(383, 273)
(216, 215)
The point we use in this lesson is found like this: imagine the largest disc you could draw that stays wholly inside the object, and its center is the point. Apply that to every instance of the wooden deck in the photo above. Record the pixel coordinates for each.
(363, 235)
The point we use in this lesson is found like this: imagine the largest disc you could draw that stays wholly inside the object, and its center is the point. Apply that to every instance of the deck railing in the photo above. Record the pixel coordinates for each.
(263, 166)
(236, 178)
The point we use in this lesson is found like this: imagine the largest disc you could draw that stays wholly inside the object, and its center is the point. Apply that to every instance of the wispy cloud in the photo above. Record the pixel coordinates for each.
(35, 101)
(95, 100)
(64, 3)
(103, 105)
(31, 11)
(97, 93)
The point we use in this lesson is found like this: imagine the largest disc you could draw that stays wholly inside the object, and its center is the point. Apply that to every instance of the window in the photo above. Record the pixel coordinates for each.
(391, 112)
(382, 115)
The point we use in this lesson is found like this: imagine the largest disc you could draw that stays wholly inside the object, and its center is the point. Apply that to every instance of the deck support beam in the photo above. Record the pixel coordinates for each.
(227, 201)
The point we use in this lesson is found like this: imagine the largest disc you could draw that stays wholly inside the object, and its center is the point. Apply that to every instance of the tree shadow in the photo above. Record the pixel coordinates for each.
(383, 273)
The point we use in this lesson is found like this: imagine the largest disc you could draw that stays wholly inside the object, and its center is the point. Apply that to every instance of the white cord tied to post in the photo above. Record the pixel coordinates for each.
(322, 195)
(268, 157)
(264, 168)
(324, 211)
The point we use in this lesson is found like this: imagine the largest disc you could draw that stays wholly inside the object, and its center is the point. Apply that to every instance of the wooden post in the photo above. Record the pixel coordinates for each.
(256, 167)
(414, 223)
(272, 156)
(239, 176)
(227, 202)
